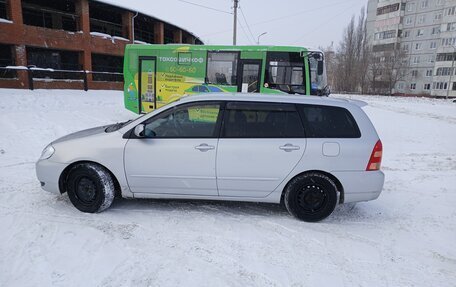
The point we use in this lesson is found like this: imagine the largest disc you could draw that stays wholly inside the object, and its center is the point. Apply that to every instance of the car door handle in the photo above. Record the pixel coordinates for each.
(204, 147)
(289, 147)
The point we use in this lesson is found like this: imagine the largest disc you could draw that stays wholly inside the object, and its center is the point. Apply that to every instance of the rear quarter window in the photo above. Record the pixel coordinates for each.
(328, 122)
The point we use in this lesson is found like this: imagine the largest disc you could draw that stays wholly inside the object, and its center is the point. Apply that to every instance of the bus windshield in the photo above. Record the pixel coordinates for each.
(285, 72)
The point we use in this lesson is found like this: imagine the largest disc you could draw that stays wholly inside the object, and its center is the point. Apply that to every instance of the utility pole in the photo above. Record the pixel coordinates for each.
(236, 3)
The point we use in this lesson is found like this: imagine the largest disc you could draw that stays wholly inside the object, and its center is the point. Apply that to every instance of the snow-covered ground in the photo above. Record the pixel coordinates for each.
(405, 238)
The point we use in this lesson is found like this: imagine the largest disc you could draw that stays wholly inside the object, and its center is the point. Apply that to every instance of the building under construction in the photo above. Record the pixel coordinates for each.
(73, 44)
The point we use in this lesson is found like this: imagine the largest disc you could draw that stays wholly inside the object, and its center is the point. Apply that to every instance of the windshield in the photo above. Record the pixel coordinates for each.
(318, 81)
(285, 72)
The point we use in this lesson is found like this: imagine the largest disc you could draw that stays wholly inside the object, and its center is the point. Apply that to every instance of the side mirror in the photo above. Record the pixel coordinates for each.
(320, 68)
(139, 131)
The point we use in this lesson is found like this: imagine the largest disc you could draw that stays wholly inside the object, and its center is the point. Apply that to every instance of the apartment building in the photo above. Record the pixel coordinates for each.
(425, 33)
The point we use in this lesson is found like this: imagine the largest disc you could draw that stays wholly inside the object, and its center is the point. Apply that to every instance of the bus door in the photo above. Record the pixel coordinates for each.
(146, 83)
(249, 76)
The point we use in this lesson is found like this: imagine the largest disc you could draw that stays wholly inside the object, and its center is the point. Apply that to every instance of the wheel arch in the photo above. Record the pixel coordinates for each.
(63, 176)
(337, 182)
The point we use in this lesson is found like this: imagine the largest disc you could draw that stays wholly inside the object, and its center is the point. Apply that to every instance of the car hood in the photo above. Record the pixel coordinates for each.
(82, 134)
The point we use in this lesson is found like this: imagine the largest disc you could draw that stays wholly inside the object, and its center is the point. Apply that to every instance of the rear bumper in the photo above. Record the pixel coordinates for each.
(361, 185)
(48, 173)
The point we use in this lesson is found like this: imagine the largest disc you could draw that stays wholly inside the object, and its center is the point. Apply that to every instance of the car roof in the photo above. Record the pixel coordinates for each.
(260, 97)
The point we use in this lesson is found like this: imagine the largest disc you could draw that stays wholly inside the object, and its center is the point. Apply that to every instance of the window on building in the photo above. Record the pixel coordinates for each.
(409, 20)
(438, 16)
(400, 86)
(439, 85)
(50, 14)
(105, 19)
(435, 30)
(444, 71)
(412, 86)
(450, 26)
(419, 32)
(222, 68)
(418, 46)
(442, 57)
(448, 42)
(450, 11)
(3, 10)
(429, 73)
(414, 73)
(405, 47)
(388, 9)
(144, 29)
(107, 68)
(424, 4)
(422, 19)
(385, 35)
(169, 34)
(433, 45)
(416, 59)
(57, 61)
(454, 86)
(411, 6)
(7, 59)
(427, 86)
(406, 34)
(440, 2)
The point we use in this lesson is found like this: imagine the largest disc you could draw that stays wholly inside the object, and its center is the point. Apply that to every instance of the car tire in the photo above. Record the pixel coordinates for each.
(90, 187)
(311, 197)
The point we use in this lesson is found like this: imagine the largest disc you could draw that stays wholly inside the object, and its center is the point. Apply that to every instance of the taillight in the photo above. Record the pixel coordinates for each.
(376, 157)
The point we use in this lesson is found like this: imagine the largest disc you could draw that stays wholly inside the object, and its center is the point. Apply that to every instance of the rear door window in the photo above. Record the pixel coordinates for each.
(261, 120)
(328, 122)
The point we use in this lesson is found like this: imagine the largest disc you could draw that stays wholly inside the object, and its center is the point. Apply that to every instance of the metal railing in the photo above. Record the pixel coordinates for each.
(35, 74)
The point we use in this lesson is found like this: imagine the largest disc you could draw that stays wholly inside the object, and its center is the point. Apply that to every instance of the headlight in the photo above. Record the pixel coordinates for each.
(47, 152)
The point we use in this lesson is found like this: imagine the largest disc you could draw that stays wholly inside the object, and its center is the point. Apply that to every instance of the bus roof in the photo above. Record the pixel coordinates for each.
(215, 47)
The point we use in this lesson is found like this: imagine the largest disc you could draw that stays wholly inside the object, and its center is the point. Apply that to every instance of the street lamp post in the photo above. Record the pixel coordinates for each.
(258, 41)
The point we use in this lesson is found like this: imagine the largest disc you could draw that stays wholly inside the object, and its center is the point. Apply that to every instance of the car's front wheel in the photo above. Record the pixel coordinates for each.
(311, 197)
(90, 187)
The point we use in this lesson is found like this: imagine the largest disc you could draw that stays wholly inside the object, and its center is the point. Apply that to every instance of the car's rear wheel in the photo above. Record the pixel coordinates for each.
(311, 197)
(90, 187)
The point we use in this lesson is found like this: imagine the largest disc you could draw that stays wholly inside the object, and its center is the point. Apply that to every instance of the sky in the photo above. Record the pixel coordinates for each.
(286, 22)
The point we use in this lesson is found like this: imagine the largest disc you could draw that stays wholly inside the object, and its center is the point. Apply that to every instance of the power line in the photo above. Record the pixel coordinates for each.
(206, 7)
(245, 33)
(247, 24)
(319, 26)
(283, 17)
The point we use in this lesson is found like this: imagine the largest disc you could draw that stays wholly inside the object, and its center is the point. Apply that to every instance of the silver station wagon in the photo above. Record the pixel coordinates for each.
(309, 153)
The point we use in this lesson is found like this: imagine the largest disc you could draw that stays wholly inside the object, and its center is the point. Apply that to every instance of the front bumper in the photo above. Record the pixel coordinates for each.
(48, 173)
(361, 185)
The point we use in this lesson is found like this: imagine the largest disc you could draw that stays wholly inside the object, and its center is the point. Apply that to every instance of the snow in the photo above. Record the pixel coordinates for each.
(405, 238)
(16, 67)
(3, 20)
(107, 36)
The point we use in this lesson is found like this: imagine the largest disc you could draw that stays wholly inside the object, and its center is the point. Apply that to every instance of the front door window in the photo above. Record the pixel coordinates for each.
(188, 121)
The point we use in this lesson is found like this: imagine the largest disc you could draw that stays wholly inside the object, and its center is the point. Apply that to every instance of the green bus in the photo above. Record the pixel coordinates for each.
(155, 75)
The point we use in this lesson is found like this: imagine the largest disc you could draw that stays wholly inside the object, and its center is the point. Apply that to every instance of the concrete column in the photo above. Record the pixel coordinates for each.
(82, 11)
(159, 33)
(177, 35)
(127, 25)
(14, 10)
(85, 57)
(20, 59)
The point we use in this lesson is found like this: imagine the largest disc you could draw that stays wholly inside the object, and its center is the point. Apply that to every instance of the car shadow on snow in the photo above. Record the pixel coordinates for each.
(345, 212)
